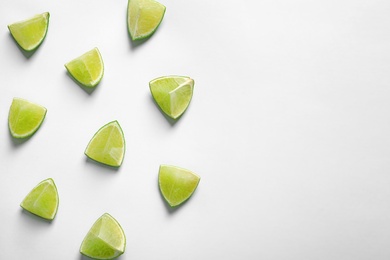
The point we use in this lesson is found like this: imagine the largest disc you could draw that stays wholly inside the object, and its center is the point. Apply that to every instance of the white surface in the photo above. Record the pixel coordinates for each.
(288, 128)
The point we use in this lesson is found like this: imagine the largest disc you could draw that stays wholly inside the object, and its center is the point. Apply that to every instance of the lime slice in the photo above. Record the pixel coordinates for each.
(172, 94)
(105, 239)
(144, 17)
(42, 200)
(87, 69)
(176, 184)
(30, 33)
(25, 118)
(107, 146)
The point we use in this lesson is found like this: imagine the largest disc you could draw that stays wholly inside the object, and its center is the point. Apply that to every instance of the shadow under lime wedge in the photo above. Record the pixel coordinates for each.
(42, 200)
(30, 33)
(177, 184)
(172, 94)
(107, 146)
(87, 69)
(144, 17)
(105, 239)
(25, 118)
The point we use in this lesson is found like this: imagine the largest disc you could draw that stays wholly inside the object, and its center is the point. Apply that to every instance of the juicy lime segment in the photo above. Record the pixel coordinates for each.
(177, 184)
(172, 94)
(42, 200)
(25, 118)
(144, 17)
(87, 69)
(30, 33)
(105, 239)
(107, 146)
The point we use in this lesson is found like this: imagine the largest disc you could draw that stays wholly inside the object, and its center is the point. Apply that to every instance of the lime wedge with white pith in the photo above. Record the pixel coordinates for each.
(177, 184)
(107, 146)
(42, 200)
(25, 118)
(144, 17)
(172, 94)
(87, 69)
(30, 33)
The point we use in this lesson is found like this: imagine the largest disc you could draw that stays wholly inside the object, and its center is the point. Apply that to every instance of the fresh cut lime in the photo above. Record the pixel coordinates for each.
(30, 33)
(172, 94)
(107, 146)
(105, 239)
(42, 200)
(25, 118)
(87, 69)
(144, 17)
(177, 184)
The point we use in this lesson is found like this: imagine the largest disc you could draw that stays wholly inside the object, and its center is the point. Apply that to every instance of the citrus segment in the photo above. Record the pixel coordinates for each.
(87, 69)
(30, 33)
(176, 184)
(144, 17)
(172, 94)
(105, 239)
(42, 200)
(25, 118)
(107, 146)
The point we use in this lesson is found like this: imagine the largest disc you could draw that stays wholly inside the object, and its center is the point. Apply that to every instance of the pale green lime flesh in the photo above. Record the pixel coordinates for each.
(30, 33)
(177, 184)
(107, 146)
(25, 118)
(144, 17)
(105, 239)
(87, 69)
(42, 200)
(172, 94)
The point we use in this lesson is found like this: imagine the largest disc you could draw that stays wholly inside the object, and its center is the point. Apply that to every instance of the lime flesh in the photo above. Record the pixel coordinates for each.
(87, 69)
(30, 33)
(42, 200)
(172, 94)
(105, 239)
(25, 118)
(177, 184)
(144, 17)
(107, 146)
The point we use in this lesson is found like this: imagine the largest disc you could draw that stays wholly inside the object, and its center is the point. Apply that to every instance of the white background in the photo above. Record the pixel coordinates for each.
(289, 129)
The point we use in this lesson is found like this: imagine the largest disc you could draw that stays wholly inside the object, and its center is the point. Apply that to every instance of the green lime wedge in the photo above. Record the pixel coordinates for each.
(177, 184)
(25, 118)
(87, 69)
(30, 33)
(172, 94)
(105, 239)
(107, 146)
(42, 200)
(144, 17)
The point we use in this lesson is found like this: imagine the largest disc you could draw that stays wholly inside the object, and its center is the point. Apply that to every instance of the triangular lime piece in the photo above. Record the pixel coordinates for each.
(30, 33)
(176, 184)
(25, 118)
(144, 17)
(172, 94)
(87, 69)
(105, 239)
(42, 200)
(107, 146)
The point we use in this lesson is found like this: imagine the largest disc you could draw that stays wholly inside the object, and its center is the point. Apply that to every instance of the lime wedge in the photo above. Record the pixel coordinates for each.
(107, 146)
(144, 17)
(176, 184)
(172, 94)
(25, 118)
(42, 200)
(30, 33)
(87, 69)
(105, 239)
